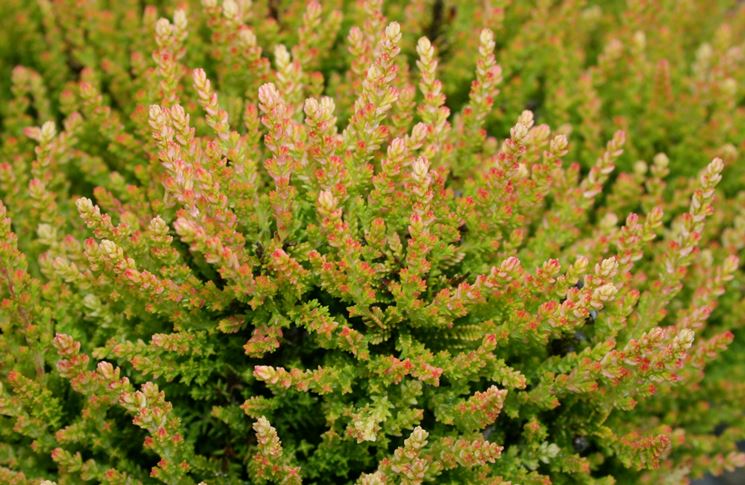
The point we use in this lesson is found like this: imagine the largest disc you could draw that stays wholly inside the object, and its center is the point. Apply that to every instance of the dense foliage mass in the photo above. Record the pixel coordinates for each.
(290, 241)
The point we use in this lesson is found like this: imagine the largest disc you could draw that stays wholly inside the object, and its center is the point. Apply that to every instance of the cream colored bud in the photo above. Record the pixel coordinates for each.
(163, 29)
(313, 9)
(526, 118)
(660, 160)
(420, 168)
(606, 268)
(393, 32)
(328, 106)
(48, 132)
(265, 373)
(373, 72)
(157, 226)
(419, 133)
(521, 129)
(246, 38)
(111, 250)
(711, 176)
(311, 108)
(417, 439)
(716, 166)
(177, 112)
(326, 200)
(539, 134)
(85, 205)
(355, 36)
(106, 370)
(91, 302)
(156, 114)
(200, 78)
(684, 340)
(509, 265)
(180, 20)
(559, 145)
(179, 117)
(424, 48)
(396, 148)
(580, 264)
(654, 218)
(518, 132)
(281, 55)
(604, 293)
(47, 233)
(268, 96)
(730, 265)
(486, 38)
(230, 10)
(377, 478)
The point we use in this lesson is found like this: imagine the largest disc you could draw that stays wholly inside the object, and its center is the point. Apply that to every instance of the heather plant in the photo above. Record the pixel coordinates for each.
(371, 242)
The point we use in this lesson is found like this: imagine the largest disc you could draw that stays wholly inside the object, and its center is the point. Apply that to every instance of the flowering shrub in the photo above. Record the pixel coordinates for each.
(286, 241)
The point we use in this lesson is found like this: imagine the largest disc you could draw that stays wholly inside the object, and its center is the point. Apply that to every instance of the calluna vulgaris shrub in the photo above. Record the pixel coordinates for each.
(285, 241)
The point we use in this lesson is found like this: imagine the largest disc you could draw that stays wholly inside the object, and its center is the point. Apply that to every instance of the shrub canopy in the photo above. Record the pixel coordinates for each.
(371, 242)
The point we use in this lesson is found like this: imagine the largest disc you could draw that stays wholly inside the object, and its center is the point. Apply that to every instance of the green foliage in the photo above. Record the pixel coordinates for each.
(339, 242)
